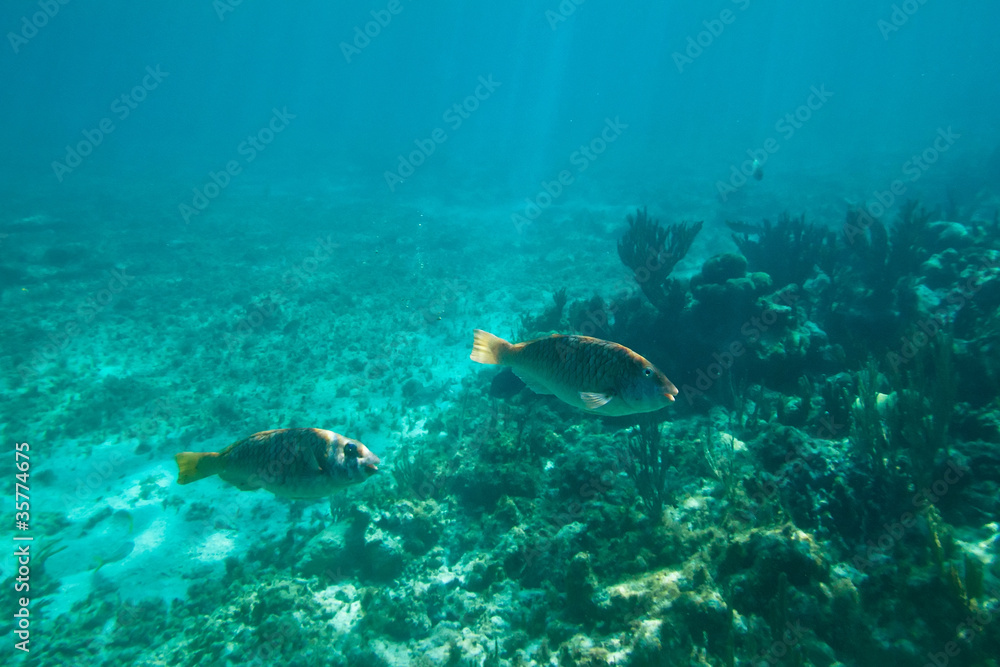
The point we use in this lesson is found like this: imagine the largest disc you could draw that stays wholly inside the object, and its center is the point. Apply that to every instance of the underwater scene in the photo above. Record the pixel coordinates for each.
(454, 334)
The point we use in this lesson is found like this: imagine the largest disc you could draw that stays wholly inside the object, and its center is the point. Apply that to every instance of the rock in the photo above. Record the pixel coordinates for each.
(757, 566)
(397, 613)
(416, 523)
(325, 554)
(816, 285)
(720, 268)
(581, 584)
(940, 271)
(718, 299)
(647, 649)
(792, 410)
(383, 554)
(508, 512)
(761, 282)
(927, 301)
(481, 574)
(949, 235)
(277, 599)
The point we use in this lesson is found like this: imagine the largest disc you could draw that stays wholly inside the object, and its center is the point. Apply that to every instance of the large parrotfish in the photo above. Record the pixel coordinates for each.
(589, 373)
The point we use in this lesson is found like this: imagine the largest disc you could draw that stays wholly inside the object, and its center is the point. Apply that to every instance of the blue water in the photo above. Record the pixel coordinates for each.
(224, 217)
(559, 80)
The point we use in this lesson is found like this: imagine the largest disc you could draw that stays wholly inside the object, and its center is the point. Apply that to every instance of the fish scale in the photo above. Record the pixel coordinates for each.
(281, 454)
(592, 370)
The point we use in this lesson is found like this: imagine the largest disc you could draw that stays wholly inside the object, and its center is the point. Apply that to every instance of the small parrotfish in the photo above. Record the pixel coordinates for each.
(298, 463)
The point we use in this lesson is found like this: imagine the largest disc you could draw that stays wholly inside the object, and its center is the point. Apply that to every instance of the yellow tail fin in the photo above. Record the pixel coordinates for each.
(192, 466)
(487, 348)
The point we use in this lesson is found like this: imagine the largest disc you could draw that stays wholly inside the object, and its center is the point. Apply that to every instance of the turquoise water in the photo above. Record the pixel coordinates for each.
(220, 218)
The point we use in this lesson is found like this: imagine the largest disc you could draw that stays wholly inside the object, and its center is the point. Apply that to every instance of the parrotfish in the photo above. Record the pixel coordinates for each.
(589, 373)
(112, 555)
(298, 463)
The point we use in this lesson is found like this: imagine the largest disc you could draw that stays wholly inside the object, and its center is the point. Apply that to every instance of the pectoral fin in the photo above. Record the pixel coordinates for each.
(593, 400)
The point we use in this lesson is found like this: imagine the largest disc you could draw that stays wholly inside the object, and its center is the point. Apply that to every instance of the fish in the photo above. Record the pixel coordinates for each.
(505, 384)
(120, 552)
(589, 373)
(295, 463)
(758, 169)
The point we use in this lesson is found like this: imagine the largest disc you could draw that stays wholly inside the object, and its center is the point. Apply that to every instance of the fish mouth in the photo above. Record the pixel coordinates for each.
(370, 469)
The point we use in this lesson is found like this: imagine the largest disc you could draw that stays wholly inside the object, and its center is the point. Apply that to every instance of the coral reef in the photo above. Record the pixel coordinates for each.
(823, 492)
(789, 250)
(646, 464)
(723, 292)
(652, 251)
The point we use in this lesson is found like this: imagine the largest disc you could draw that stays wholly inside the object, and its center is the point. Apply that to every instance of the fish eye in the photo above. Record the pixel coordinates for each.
(351, 450)
(647, 371)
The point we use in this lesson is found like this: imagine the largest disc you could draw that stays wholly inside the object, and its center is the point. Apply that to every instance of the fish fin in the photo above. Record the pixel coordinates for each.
(246, 486)
(533, 384)
(487, 348)
(321, 463)
(593, 400)
(192, 466)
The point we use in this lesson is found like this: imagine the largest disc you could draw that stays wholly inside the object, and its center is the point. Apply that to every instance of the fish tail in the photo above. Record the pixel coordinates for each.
(487, 348)
(192, 466)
